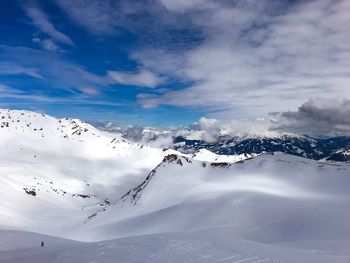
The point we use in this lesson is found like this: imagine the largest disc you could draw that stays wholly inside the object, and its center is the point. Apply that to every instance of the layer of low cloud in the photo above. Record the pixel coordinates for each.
(205, 129)
(318, 118)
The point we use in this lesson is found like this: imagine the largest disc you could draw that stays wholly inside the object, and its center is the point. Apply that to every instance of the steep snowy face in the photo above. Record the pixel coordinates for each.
(270, 198)
(53, 171)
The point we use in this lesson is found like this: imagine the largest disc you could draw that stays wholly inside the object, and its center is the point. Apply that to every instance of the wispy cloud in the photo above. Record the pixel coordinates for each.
(58, 72)
(41, 21)
(149, 21)
(46, 44)
(13, 69)
(96, 16)
(12, 93)
(142, 78)
(15, 96)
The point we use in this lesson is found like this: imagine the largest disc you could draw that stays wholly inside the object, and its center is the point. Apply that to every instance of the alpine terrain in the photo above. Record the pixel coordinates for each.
(72, 193)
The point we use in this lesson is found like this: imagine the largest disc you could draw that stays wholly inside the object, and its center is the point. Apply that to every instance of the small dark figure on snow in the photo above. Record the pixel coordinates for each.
(42, 243)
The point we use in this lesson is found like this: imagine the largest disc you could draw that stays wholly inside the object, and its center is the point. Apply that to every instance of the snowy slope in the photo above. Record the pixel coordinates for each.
(200, 246)
(56, 170)
(67, 179)
(208, 156)
(63, 170)
(270, 198)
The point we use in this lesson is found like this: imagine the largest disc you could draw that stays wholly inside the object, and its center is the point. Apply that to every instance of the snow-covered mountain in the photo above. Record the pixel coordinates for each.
(304, 146)
(67, 179)
(60, 169)
(233, 142)
(260, 197)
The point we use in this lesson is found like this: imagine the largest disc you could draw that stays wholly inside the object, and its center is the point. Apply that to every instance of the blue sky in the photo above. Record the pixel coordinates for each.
(168, 62)
(49, 63)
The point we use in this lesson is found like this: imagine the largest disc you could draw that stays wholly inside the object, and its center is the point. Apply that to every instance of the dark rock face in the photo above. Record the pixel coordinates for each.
(340, 156)
(30, 191)
(330, 149)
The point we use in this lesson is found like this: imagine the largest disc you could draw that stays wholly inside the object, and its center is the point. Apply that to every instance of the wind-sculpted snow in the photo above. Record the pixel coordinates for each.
(67, 179)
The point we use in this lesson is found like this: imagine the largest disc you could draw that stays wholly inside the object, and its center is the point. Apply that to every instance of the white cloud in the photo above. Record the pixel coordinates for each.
(59, 73)
(90, 91)
(12, 93)
(183, 5)
(317, 117)
(142, 78)
(4, 88)
(96, 16)
(259, 57)
(46, 44)
(14, 69)
(41, 21)
(211, 129)
(252, 57)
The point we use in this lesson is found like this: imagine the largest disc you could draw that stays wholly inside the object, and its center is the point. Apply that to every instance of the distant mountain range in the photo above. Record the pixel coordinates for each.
(187, 140)
(332, 149)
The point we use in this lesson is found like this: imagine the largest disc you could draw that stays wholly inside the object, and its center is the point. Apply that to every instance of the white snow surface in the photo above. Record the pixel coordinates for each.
(96, 197)
(198, 246)
(208, 156)
(59, 160)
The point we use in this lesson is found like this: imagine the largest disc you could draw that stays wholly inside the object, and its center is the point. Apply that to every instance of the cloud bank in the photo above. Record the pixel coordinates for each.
(317, 118)
(259, 56)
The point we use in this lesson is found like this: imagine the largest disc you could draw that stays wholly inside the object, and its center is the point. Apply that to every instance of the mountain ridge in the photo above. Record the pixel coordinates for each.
(191, 140)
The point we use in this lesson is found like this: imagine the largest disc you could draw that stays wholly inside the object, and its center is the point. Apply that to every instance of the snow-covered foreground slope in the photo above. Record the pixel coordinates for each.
(67, 179)
(199, 246)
